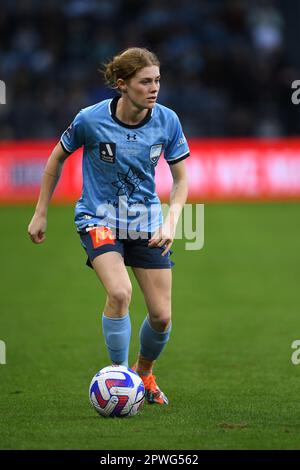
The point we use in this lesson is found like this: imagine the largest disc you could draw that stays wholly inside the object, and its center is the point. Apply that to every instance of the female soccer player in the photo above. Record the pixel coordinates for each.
(123, 139)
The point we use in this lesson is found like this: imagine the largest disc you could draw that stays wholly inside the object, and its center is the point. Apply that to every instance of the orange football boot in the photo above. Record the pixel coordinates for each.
(153, 393)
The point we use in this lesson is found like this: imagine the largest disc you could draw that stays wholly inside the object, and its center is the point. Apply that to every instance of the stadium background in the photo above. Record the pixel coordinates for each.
(227, 70)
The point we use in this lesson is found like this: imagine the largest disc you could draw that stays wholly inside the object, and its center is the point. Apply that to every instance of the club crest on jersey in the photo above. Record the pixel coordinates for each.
(155, 153)
(107, 151)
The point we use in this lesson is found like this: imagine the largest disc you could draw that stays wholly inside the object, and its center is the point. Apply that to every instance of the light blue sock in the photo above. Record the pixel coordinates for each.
(152, 341)
(117, 333)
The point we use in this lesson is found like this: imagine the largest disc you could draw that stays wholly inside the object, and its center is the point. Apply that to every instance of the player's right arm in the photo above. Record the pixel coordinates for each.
(52, 171)
(71, 140)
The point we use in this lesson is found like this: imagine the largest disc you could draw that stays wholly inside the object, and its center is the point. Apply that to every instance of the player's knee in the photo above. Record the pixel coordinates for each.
(161, 321)
(120, 297)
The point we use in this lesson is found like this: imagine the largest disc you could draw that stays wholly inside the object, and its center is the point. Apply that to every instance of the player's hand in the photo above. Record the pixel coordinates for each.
(163, 236)
(37, 229)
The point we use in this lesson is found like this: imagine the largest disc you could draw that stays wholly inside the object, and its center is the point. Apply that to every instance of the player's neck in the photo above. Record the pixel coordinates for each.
(128, 113)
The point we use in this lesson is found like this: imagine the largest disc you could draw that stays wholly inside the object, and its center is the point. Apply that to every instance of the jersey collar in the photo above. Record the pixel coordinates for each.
(113, 109)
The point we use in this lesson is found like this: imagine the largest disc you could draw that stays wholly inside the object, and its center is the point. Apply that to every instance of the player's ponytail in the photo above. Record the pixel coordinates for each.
(127, 63)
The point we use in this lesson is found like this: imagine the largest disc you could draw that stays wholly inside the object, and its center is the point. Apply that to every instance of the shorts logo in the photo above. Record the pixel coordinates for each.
(155, 153)
(107, 152)
(102, 236)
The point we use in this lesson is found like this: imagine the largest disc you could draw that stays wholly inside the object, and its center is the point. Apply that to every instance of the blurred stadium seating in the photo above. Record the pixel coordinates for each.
(227, 70)
(227, 66)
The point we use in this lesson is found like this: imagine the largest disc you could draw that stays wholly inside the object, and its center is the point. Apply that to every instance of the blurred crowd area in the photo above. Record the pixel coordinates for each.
(224, 64)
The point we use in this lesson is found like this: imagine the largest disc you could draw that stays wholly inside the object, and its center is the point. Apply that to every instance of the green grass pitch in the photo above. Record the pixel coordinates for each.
(227, 369)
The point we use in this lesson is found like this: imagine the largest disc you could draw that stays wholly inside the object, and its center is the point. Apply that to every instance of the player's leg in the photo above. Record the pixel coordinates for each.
(156, 285)
(113, 274)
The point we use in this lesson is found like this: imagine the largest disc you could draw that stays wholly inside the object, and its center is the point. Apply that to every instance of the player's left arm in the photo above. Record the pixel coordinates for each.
(166, 233)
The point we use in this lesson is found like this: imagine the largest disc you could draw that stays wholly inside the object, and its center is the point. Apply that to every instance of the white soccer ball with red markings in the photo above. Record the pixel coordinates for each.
(117, 391)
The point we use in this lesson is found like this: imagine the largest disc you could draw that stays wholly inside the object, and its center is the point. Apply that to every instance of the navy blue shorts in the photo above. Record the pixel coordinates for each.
(136, 253)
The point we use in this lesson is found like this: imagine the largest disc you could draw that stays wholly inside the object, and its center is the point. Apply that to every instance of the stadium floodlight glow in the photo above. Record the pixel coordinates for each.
(2, 352)
(2, 92)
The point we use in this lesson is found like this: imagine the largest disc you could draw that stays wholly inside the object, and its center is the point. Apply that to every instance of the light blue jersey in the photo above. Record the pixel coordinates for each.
(119, 163)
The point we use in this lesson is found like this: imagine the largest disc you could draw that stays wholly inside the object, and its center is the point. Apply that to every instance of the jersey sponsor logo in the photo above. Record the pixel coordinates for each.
(107, 152)
(102, 236)
(181, 141)
(155, 153)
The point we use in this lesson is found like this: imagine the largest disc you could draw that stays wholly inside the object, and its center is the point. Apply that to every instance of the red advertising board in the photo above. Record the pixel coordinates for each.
(241, 169)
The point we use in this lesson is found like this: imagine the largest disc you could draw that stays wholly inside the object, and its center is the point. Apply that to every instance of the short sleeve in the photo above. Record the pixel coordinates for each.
(74, 136)
(177, 148)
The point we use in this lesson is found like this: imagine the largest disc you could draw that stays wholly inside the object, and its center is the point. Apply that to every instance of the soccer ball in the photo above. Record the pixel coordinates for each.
(117, 391)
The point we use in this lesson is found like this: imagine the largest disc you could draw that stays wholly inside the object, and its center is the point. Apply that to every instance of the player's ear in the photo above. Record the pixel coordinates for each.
(121, 85)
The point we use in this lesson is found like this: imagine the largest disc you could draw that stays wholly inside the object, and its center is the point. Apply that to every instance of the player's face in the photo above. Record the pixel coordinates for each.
(143, 88)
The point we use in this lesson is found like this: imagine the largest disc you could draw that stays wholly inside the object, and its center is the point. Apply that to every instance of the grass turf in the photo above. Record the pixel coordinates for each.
(227, 369)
